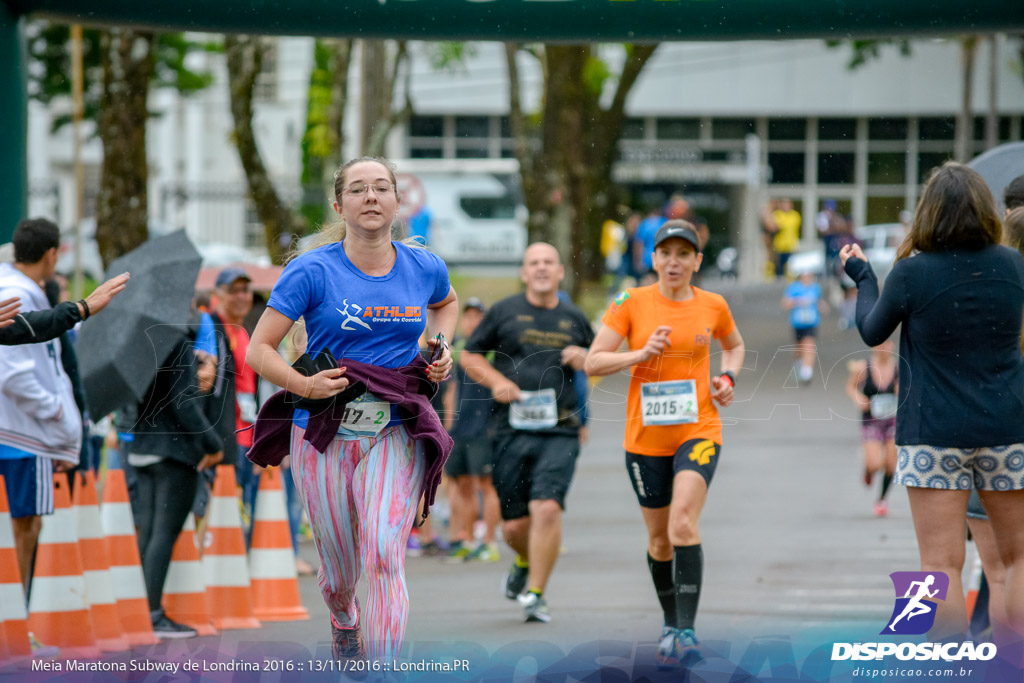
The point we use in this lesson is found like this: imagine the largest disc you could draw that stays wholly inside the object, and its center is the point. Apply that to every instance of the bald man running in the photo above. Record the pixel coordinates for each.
(538, 342)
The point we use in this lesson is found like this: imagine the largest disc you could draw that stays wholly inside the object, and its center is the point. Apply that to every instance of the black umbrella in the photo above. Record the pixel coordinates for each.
(120, 350)
(998, 167)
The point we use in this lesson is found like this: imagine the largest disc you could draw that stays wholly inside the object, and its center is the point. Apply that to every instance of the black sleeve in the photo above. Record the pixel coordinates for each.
(586, 331)
(485, 336)
(35, 327)
(878, 316)
(185, 400)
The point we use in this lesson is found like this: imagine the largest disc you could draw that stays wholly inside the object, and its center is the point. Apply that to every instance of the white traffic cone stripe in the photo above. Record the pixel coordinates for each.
(12, 602)
(58, 594)
(59, 527)
(272, 564)
(117, 519)
(97, 586)
(128, 583)
(274, 502)
(184, 577)
(223, 512)
(225, 571)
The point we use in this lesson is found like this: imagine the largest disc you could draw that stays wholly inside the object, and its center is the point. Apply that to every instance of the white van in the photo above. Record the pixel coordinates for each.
(476, 215)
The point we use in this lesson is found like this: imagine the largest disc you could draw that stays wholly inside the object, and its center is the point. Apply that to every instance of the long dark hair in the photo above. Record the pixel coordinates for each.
(956, 211)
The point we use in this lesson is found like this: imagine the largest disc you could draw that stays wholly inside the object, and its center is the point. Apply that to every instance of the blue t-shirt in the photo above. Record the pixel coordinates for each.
(805, 314)
(371, 319)
(646, 231)
(206, 338)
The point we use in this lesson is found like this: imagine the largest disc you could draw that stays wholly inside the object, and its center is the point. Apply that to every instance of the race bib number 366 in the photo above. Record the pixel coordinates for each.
(669, 403)
(534, 410)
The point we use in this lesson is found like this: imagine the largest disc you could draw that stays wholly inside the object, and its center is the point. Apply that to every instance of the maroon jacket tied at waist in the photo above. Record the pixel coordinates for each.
(406, 387)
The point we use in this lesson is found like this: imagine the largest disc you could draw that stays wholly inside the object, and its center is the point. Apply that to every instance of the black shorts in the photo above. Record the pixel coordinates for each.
(533, 467)
(803, 332)
(474, 457)
(652, 475)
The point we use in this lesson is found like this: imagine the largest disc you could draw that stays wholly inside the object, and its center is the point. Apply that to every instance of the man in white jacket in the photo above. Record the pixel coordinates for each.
(40, 427)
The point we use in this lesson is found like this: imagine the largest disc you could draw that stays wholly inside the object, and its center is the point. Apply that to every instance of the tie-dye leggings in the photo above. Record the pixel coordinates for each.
(362, 496)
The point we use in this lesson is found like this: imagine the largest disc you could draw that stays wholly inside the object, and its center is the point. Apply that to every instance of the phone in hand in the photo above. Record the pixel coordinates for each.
(439, 347)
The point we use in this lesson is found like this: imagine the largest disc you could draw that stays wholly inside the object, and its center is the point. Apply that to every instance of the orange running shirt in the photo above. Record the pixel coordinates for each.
(636, 314)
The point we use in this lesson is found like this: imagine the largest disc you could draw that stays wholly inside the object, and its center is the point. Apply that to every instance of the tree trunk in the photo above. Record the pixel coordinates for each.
(965, 121)
(245, 57)
(992, 118)
(340, 63)
(122, 204)
(379, 79)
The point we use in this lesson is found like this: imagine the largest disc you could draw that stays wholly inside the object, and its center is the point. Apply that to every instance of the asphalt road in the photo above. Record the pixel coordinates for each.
(793, 553)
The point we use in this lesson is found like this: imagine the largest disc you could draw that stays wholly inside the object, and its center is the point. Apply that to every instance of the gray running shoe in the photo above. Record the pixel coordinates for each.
(347, 643)
(666, 656)
(515, 582)
(535, 608)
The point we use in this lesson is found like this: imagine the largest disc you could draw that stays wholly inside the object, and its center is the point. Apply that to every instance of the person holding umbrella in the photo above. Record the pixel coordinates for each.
(366, 299)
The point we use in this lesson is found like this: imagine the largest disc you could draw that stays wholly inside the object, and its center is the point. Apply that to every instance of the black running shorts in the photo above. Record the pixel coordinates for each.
(532, 467)
(471, 456)
(652, 475)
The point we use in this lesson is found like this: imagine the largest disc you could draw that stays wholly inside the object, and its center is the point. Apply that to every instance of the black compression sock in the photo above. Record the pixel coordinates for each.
(664, 587)
(688, 571)
(886, 481)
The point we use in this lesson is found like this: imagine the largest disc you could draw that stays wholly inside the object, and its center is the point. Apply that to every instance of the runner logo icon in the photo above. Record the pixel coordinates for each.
(917, 594)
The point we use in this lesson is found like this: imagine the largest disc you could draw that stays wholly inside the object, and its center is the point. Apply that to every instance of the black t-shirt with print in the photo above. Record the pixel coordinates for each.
(527, 342)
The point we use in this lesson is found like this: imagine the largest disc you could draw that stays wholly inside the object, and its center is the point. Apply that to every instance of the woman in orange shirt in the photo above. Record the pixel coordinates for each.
(673, 432)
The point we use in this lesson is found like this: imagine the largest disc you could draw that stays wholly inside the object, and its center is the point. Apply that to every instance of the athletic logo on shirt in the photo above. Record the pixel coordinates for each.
(702, 451)
(914, 612)
(703, 339)
(349, 318)
(621, 298)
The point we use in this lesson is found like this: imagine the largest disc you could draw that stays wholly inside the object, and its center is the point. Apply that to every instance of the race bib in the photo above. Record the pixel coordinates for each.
(669, 403)
(365, 416)
(883, 406)
(804, 316)
(534, 410)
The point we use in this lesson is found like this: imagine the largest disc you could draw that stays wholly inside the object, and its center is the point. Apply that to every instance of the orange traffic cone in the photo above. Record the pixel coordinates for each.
(96, 561)
(185, 598)
(973, 580)
(58, 609)
(275, 585)
(125, 567)
(14, 643)
(227, 578)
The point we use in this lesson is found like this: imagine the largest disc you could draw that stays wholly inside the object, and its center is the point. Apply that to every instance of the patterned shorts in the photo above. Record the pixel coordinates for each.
(994, 468)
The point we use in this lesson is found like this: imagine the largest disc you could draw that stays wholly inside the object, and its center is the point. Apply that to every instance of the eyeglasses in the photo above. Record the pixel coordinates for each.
(359, 189)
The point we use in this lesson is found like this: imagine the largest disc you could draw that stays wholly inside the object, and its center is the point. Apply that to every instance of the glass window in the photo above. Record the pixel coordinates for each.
(884, 210)
(472, 151)
(787, 129)
(678, 129)
(936, 128)
(732, 129)
(787, 167)
(887, 168)
(887, 129)
(837, 129)
(1003, 128)
(425, 153)
(489, 207)
(633, 129)
(926, 161)
(426, 127)
(472, 127)
(836, 167)
(505, 124)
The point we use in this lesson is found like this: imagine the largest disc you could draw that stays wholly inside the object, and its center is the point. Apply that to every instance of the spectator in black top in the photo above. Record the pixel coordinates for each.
(35, 327)
(958, 297)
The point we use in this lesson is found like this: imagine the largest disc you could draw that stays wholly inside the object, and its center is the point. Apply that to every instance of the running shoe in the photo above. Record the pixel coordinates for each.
(457, 553)
(881, 509)
(433, 548)
(666, 657)
(413, 548)
(347, 643)
(485, 552)
(39, 650)
(535, 608)
(515, 582)
(169, 629)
